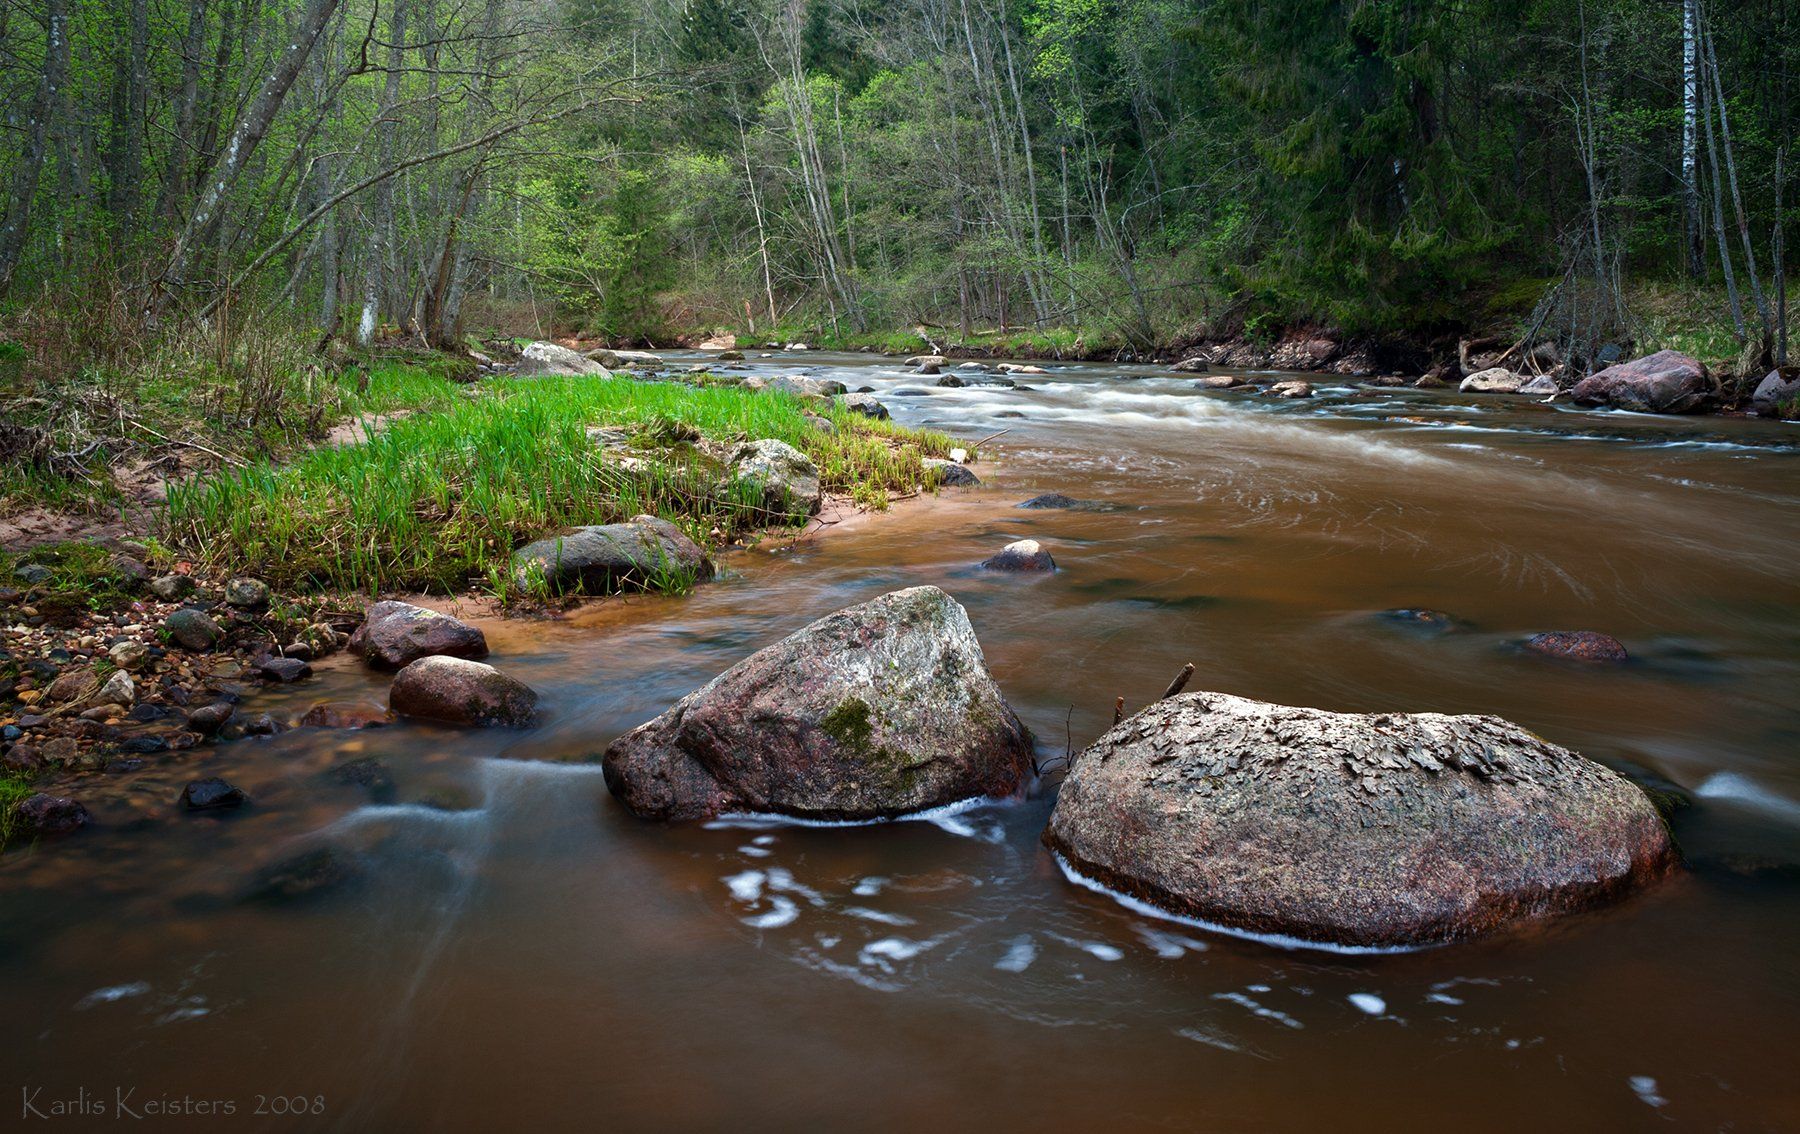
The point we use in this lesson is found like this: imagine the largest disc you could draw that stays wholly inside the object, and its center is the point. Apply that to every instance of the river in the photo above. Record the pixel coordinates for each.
(531, 957)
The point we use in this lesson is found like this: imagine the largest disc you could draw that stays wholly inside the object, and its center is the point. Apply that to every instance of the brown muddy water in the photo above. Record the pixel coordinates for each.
(540, 960)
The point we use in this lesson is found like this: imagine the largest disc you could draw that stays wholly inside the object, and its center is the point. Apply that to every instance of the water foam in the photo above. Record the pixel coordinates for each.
(1741, 789)
(1278, 940)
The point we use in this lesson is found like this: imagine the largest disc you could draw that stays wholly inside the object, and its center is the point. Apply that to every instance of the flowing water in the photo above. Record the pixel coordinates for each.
(514, 951)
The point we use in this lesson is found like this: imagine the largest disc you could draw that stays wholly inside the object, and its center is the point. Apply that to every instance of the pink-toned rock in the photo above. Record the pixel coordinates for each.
(394, 634)
(1665, 382)
(1578, 645)
(462, 692)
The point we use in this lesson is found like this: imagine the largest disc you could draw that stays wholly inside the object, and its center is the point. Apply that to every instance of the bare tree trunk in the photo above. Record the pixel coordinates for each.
(1718, 210)
(762, 232)
(1737, 198)
(187, 96)
(37, 127)
(381, 248)
(242, 145)
(125, 147)
(1693, 228)
(1780, 257)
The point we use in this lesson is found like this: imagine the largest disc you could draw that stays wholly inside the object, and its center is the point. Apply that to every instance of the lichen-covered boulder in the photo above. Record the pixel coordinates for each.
(1385, 829)
(785, 479)
(1665, 382)
(1494, 380)
(879, 710)
(608, 558)
(462, 692)
(394, 634)
(545, 360)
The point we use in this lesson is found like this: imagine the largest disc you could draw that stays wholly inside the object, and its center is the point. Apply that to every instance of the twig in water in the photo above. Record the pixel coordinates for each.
(977, 446)
(1118, 710)
(1180, 682)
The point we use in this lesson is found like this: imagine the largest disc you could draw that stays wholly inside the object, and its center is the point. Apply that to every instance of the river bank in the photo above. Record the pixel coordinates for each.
(141, 639)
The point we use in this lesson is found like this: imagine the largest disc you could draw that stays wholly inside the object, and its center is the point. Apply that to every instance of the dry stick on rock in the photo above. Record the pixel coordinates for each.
(1180, 682)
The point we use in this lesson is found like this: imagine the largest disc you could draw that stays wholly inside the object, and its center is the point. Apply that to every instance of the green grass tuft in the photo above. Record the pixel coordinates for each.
(439, 499)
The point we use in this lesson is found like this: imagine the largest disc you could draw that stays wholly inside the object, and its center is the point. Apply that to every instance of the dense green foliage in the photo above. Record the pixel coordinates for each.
(1134, 171)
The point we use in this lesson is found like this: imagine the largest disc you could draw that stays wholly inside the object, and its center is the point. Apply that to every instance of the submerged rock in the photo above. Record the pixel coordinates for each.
(1422, 618)
(1058, 502)
(544, 360)
(875, 711)
(344, 714)
(304, 875)
(1665, 382)
(612, 557)
(1577, 645)
(786, 478)
(212, 794)
(1026, 555)
(1350, 829)
(367, 773)
(43, 816)
(461, 692)
(394, 634)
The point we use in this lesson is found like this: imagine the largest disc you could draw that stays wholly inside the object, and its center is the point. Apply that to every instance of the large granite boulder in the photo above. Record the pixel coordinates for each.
(1350, 829)
(462, 692)
(608, 558)
(545, 360)
(879, 710)
(394, 634)
(784, 480)
(1665, 382)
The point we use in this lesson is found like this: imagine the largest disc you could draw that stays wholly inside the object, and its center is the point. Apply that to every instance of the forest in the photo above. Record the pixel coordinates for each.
(1085, 176)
